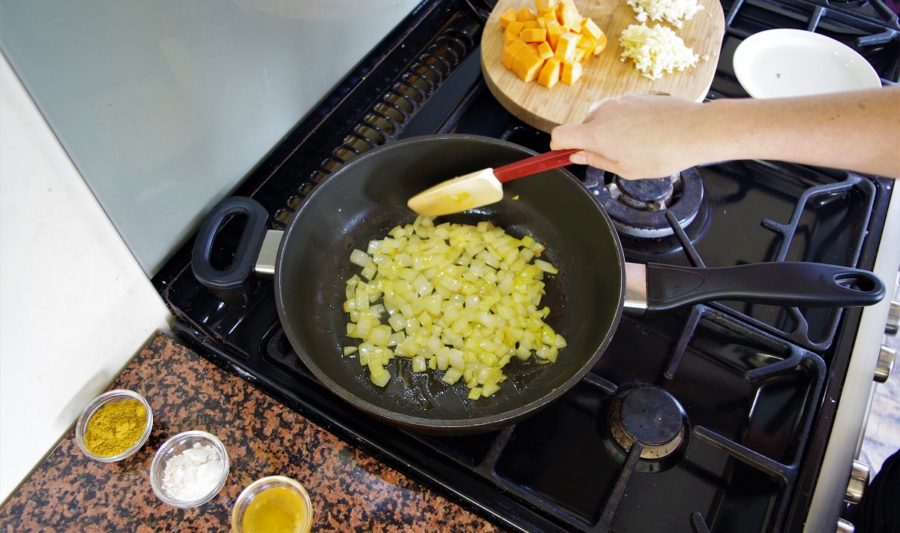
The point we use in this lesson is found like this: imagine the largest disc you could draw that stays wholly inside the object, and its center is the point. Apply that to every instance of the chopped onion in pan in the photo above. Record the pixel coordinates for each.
(457, 299)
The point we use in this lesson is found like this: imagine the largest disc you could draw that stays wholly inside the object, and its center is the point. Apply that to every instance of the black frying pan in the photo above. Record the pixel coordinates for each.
(367, 197)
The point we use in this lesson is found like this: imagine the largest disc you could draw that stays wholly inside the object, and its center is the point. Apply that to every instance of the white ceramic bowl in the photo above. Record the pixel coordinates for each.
(175, 446)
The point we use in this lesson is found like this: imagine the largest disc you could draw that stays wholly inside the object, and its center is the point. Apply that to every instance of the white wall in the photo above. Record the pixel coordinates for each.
(74, 304)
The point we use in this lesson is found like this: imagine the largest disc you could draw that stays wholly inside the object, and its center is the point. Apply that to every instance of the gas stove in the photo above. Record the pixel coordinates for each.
(746, 400)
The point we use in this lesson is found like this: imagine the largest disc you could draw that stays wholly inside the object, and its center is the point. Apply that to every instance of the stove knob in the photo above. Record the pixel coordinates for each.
(844, 526)
(893, 321)
(885, 363)
(859, 479)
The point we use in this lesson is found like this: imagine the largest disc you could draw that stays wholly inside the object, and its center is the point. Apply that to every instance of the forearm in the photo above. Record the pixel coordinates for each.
(857, 131)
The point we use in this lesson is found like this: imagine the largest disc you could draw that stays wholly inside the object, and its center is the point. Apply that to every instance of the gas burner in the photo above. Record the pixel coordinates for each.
(638, 207)
(848, 3)
(652, 417)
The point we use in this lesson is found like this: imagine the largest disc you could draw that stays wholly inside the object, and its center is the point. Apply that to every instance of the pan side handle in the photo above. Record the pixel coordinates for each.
(234, 282)
(785, 283)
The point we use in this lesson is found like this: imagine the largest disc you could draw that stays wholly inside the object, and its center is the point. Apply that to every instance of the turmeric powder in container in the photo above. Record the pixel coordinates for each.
(116, 422)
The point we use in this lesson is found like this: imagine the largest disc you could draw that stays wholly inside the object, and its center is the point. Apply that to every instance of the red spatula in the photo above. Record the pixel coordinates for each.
(482, 187)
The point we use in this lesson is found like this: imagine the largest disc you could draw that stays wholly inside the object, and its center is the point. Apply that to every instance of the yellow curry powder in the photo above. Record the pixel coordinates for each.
(115, 427)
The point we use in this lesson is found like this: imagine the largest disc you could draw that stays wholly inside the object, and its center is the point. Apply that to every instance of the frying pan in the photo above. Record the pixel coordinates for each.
(365, 198)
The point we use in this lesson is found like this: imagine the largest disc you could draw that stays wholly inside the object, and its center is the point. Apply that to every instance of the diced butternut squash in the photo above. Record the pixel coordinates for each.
(569, 18)
(549, 75)
(565, 48)
(571, 71)
(526, 13)
(601, 44)
(545, 51)
(515, 27)
(549, 43)
(590, 28)
(579, 55)
(534, 35)
(587, 43)
(509, 52)
(527, 64)
(506, 17)
(554, 30)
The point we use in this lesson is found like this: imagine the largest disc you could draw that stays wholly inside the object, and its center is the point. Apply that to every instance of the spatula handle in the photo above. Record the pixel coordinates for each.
(534, 165)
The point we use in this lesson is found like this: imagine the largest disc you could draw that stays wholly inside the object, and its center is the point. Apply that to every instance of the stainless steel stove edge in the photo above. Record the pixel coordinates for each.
(850, 417)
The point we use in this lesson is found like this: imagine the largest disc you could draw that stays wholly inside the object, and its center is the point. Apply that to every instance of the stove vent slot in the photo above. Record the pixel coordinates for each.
(386, 119)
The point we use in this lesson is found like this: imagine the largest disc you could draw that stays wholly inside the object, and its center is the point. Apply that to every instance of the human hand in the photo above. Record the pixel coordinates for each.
(646, 136)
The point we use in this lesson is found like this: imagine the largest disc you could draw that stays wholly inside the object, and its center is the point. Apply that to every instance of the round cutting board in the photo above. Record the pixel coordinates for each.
(604, 75)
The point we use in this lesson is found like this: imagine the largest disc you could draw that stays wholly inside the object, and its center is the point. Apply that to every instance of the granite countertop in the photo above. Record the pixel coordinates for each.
(350, 490)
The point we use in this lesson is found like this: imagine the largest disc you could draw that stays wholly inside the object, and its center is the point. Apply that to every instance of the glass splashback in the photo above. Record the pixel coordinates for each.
(165, 105)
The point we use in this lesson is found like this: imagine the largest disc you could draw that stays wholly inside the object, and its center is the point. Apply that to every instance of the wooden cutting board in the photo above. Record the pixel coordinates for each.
(604, 75)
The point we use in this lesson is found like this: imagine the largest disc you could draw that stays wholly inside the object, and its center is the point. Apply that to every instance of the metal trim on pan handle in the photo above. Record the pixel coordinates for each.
(886, 358)
(893, 321)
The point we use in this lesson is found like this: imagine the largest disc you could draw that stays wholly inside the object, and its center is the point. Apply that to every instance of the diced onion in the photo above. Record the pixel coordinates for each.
(456, 299)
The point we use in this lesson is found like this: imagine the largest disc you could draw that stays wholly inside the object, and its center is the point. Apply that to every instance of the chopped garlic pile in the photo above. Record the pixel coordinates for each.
(454, 298)
(655, 51)
(671, 11)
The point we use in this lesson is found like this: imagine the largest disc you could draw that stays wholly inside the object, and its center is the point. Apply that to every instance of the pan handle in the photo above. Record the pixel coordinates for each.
(234, 282)
(784, 283)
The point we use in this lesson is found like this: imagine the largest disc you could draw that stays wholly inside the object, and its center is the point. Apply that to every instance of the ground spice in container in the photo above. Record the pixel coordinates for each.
(115, 427)
(193, 473)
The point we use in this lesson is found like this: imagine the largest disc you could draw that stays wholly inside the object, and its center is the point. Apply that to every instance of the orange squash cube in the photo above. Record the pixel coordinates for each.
(527, 64)
(515, 27)
(565, 48)
(571, 71)
(545, 5)
(579, 55)
(506, 17)
(533, 35)
(554, 30)
(526, 13)
(590, 29)
(601, 44)
(587, 43)
(545, 51)
(509, 52)
(549, 75)
(569, 18)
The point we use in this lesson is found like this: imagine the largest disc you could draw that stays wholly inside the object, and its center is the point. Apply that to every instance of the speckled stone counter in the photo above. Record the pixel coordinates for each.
(350, 490)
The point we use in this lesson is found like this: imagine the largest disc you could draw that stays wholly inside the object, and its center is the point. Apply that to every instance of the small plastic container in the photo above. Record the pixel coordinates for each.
(255, 494)
(97, 403)
(175, 446)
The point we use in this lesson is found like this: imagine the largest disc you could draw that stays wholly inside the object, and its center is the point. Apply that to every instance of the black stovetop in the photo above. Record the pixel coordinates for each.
(753, 382)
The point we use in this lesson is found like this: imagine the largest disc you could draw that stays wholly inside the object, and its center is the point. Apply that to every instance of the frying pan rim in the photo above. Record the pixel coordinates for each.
(422, 423)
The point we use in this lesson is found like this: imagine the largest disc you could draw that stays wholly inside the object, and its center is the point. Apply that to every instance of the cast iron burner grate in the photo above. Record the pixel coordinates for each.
(642, 208)
(747, 433)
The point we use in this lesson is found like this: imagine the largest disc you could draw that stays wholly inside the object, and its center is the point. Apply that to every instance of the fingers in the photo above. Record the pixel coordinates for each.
(577, 135)
(596, 105)
(569, 136)
(595, 160)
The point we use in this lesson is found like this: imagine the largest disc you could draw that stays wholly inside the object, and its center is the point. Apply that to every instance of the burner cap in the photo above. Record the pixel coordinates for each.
(650, 416)
(638, 207)
(649, 195)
